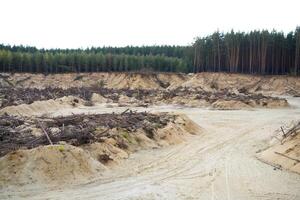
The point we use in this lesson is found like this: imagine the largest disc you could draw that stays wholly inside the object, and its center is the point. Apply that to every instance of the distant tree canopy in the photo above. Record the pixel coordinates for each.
(257, 52)
(260, 52)
(30, 59)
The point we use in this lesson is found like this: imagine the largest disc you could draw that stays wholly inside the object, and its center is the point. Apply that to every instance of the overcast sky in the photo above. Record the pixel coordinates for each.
(86, 23)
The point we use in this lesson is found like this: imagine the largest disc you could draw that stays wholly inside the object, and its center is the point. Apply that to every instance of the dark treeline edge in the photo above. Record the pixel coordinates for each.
(256, 52)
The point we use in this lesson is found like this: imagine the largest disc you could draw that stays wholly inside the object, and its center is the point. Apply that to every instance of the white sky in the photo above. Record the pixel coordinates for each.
(86, 23)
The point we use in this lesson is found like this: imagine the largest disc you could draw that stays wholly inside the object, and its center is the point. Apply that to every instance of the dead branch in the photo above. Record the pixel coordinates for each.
(281, 154)
(45, 132)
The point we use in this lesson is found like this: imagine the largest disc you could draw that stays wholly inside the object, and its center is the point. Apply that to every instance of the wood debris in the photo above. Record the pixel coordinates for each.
(16, 132)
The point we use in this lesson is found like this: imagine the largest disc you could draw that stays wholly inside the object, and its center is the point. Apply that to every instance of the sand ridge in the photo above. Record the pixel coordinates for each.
(280, 85)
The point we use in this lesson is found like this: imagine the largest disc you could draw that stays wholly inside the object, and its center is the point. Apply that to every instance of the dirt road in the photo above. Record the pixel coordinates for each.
(219, 164)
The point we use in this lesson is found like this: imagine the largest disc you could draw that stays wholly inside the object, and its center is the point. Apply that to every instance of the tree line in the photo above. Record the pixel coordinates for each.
(58, 61)
(259, 52)
(256, 52)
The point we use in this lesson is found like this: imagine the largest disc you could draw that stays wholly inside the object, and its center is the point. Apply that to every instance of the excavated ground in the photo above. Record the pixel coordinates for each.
(23, 132)
(269, 85)
(221, 162)
(284, 151)
(103, 149)
(90, 141)
(29, 101)
(217, 91)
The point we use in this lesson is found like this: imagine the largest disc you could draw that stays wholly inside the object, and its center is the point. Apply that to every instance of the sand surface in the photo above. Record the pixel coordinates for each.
(202, 81)
(220, 164)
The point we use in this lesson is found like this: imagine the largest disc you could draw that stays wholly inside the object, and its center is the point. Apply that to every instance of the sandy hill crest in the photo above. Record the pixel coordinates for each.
(289, 85)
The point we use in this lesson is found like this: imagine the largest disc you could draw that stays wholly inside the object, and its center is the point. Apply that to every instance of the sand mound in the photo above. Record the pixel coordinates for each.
(271, 103)
(280, 85)
(43, 107)
(132, 81)
(177, 131)
(62, 163)
(97, 98)
(222, 104)
(196, 81)
(173, 80)
(107, 153)
(284, 155)
(184, 100)
(174, 132)
(115, 149)
(230, 105)
(188, 125)
(57, 164)
(127, 100)
(5, 80)
(109, 80)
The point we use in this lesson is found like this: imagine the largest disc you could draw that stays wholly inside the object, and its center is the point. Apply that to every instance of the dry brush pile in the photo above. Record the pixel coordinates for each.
(75, 148)
(10, 96)
(26, 133)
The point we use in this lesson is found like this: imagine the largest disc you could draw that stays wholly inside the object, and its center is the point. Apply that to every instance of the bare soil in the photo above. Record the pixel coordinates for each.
(269, 85)
(23, 132)
(219, 163)
(284, 151)
(28, 101)
(83, 144)
(138, 136)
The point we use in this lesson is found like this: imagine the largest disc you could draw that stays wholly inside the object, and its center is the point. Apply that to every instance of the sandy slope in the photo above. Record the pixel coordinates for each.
(203, 81)
(220, 164)
(54, 165)
(284, 154)
(43, 107)
(63, 164)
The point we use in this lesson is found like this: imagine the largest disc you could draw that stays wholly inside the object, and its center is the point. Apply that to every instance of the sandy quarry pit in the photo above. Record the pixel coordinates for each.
(221, 149)
(268, 85)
